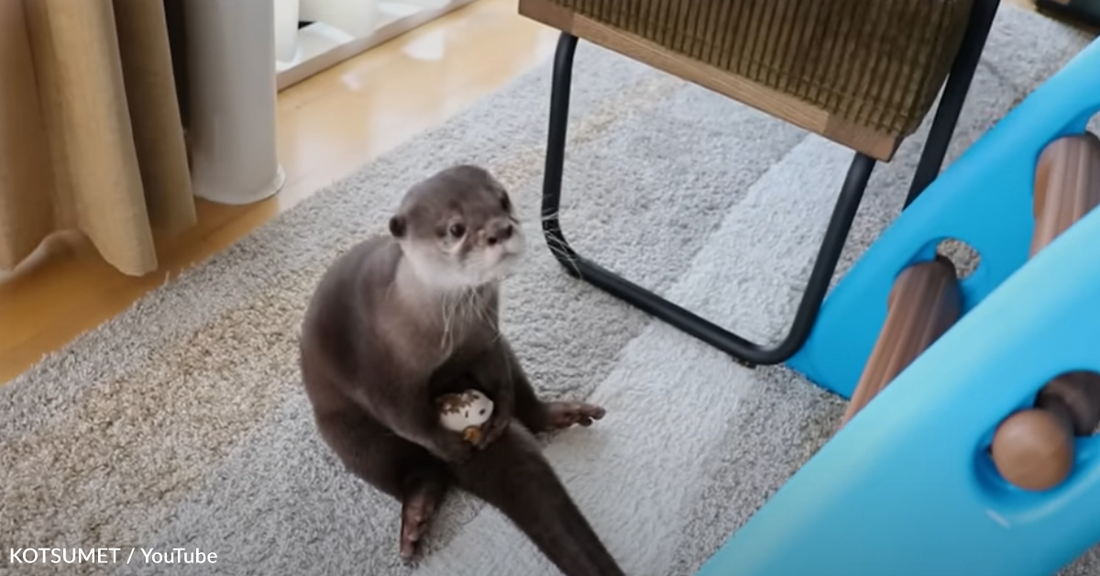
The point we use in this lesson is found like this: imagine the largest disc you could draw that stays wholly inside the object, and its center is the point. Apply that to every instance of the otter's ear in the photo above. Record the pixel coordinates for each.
(397, 226)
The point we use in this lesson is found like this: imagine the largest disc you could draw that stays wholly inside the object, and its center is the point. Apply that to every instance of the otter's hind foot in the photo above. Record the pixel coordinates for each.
(565, 414)
(417, 511)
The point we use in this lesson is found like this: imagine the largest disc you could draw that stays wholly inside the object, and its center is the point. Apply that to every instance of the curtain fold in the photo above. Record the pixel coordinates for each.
(90, 131)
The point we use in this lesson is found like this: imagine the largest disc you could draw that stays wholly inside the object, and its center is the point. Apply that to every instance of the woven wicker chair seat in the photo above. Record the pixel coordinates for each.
(868, 70)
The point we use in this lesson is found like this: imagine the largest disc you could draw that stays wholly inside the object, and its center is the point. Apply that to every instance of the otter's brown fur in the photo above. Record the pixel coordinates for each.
(402, 318)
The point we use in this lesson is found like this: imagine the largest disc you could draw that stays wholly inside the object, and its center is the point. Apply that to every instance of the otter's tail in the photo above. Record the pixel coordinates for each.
(512, 475)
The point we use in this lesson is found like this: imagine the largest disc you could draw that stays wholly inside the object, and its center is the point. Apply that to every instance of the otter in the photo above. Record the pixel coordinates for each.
(405, 317)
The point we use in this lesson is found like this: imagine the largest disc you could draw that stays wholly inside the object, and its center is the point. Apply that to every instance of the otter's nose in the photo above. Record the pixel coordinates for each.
(499, 233)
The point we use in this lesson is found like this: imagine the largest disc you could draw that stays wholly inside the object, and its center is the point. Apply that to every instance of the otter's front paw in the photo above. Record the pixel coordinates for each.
(493, 429)
(452, 448)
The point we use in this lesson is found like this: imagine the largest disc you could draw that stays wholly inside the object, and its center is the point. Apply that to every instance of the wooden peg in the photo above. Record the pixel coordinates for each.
(1067, 186)
(1034, 449)
(924, 302)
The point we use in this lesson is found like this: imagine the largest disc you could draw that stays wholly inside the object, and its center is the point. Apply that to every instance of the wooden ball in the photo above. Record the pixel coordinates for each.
(1033, 449)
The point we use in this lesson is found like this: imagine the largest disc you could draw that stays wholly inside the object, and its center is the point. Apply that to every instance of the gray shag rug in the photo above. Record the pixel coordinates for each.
(182, 422)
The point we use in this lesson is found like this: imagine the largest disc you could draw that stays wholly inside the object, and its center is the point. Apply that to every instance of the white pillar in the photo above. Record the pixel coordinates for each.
(231, 73)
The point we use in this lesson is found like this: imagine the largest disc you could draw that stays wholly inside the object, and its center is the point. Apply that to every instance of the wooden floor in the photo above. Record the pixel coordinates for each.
(328, 125)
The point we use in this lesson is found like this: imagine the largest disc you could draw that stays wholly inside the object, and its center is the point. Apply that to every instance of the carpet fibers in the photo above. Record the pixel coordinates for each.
(182, 422)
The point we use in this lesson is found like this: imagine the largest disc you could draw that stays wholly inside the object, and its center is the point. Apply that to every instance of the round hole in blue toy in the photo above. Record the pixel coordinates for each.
(965, 258)
(1042, 444)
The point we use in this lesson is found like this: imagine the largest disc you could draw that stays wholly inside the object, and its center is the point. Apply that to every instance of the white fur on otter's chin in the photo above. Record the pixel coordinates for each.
(442, 272)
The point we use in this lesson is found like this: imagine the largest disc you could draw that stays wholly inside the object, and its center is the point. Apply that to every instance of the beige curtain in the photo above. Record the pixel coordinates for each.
(90, 131)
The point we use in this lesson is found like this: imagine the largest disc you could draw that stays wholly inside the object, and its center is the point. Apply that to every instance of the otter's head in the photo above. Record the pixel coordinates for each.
(458, 229)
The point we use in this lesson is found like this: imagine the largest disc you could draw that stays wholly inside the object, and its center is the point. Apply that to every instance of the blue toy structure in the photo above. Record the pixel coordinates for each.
(906, 487)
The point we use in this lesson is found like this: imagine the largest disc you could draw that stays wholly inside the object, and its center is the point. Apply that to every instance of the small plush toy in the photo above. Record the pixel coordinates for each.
(465, 412)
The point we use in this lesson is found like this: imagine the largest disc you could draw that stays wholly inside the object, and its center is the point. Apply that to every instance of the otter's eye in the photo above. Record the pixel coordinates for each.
(505, 203)
(457, 229)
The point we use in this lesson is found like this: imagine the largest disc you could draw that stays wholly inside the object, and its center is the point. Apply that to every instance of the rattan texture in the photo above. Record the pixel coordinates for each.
(875, 63)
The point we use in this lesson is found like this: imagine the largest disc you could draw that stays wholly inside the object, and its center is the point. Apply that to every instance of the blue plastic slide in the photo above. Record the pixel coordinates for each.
(907, 488)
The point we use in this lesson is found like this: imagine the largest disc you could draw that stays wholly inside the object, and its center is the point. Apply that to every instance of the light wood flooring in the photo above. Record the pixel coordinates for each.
(328, 126)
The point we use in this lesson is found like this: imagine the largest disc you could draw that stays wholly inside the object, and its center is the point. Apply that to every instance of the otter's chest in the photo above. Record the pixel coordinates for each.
(466, 325)
(467, 343)
(456, 362)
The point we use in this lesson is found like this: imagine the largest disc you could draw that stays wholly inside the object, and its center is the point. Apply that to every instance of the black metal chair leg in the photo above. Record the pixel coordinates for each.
(743, 350)
(955, 90)
(836, 234)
